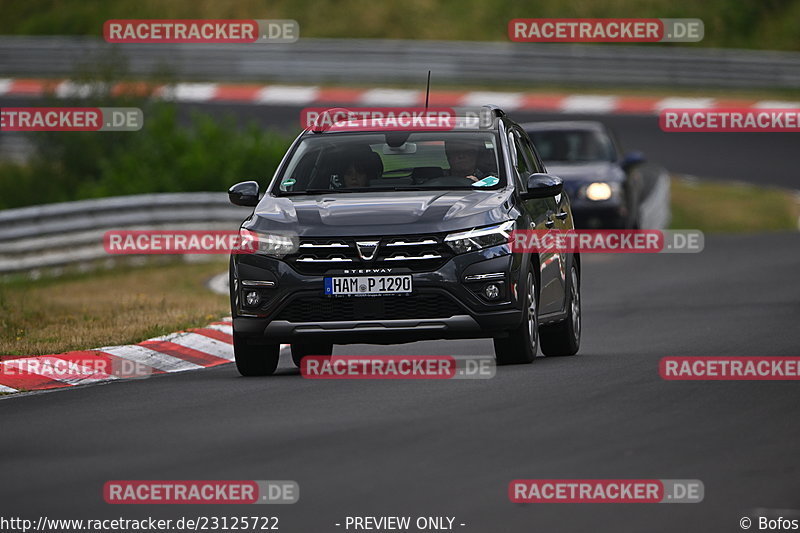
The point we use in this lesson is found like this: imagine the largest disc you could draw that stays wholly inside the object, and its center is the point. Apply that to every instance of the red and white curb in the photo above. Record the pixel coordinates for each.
(177, 352)
(314, 95)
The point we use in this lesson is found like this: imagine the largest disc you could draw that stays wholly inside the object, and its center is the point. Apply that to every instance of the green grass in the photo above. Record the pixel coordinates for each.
(107, 308)
(732, 207)
(763, 24)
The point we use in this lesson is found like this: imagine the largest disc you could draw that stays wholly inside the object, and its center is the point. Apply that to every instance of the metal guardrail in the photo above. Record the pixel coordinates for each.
(376, 60)
(55, 235)
(654, 209)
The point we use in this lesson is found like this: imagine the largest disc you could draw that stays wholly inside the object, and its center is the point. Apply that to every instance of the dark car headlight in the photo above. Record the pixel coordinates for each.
(479, 238)
(270, 244)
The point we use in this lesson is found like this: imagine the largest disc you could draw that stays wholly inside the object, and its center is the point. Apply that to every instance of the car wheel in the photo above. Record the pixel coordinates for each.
(302, 349)
(564, 338)
(255, 359)
(522, 343)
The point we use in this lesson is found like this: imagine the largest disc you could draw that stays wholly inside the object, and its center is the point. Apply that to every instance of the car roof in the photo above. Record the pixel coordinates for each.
(556, 125)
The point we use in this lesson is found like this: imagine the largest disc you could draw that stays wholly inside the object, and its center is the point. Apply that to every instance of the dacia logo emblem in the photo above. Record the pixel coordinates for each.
(367, 249)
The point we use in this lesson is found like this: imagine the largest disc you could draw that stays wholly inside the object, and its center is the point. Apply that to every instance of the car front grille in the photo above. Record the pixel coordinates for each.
(332, 309)
(418, 253)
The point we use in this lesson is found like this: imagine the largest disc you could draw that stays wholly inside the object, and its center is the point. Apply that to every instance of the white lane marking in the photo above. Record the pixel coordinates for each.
(189, 92)
(588, 103)
(146, 356)
(5, 86)
(776, 104)
(505, 101)
(68, 89)
(684, 103)
(219, 284)
(391, 97)
(204, 344)
(225, 328)
(284, 94)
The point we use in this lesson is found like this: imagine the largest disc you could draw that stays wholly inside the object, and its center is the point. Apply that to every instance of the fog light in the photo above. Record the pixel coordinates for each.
(491, 291)
(252, 298)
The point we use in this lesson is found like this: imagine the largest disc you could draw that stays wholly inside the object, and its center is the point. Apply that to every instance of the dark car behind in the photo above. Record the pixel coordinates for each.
(604, 184)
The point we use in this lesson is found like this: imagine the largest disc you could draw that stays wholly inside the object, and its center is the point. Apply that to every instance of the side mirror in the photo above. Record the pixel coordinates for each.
(244, 193)
(543, 186)
(632, 159)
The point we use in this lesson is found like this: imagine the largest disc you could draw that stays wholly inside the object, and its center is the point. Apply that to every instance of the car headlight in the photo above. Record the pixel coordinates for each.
(271, 244)
(479, 238)
(600, 190)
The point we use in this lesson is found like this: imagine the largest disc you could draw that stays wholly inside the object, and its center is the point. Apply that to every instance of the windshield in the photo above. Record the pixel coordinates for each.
(350, 163)
(573, 145)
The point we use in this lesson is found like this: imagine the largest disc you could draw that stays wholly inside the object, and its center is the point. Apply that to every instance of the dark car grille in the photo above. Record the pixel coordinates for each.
(418, 253)
(316, 309)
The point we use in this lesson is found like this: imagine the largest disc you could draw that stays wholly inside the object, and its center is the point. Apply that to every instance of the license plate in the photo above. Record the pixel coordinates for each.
(367, 285)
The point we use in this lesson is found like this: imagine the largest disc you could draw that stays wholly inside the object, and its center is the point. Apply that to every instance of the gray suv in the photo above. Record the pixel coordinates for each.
(369, 235)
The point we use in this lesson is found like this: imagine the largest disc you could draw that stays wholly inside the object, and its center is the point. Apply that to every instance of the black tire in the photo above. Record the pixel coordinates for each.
(302, 349)
(522, 343)
(255, 359)
(564, 338)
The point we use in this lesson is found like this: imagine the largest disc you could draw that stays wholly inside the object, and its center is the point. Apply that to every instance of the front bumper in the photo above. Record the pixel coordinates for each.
(442, 306)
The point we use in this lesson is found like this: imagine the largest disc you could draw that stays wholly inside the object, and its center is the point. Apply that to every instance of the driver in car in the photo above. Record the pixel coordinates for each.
(463, 158)
(361, 167)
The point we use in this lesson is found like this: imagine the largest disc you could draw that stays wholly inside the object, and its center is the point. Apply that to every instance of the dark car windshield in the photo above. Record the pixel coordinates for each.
(358, 162)
(573, 145)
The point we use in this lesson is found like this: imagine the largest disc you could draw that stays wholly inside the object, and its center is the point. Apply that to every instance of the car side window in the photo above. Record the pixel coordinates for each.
(521, 162)
(530, 153)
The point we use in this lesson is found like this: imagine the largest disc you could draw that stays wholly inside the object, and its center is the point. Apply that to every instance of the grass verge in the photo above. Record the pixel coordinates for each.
(106, 308)
(732, 207)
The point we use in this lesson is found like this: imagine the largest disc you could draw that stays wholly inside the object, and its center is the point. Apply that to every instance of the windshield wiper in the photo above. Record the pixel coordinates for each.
(319, 191)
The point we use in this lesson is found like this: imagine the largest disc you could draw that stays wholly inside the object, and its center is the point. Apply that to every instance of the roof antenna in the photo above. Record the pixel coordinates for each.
(428, 90)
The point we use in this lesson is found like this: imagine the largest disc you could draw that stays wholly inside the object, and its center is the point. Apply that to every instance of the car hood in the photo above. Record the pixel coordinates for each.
(381, 213)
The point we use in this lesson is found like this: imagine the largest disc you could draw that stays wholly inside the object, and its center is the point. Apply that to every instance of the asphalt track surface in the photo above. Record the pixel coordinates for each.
(450, 448)
(762, 158)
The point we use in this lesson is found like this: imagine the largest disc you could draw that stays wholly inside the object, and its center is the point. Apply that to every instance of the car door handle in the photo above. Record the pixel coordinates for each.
(562, 215)
(549, 223)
